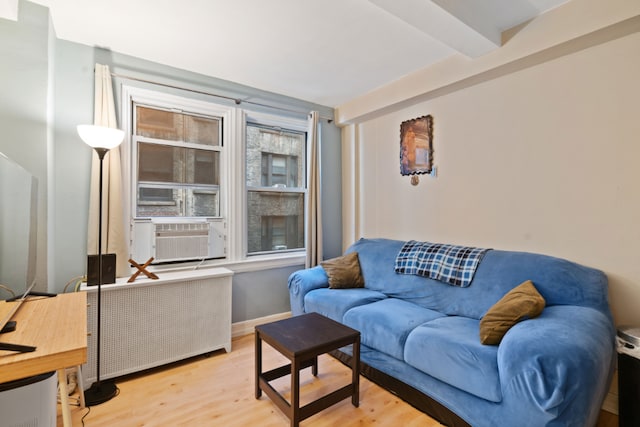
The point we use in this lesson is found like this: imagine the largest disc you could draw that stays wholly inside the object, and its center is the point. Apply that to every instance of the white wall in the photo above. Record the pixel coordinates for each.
(542, 159)
(46, 89)
(24, 66)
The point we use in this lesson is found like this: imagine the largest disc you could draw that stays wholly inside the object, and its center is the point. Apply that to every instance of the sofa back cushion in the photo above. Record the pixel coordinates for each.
(559, 281)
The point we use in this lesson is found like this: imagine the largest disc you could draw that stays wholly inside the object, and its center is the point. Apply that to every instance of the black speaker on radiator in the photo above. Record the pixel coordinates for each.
(108, 269)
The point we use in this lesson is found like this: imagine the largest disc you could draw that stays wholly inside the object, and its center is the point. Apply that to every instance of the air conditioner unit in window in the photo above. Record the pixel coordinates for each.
(178, 240)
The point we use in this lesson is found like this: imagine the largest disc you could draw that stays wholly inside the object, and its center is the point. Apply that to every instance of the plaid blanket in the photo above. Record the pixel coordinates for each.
(451, 264)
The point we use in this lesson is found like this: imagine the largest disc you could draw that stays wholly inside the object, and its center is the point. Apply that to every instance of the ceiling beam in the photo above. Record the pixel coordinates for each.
(459, 24)
(9, 9)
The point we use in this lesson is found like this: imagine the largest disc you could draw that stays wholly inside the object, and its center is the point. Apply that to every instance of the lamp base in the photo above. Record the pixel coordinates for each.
(100, 392)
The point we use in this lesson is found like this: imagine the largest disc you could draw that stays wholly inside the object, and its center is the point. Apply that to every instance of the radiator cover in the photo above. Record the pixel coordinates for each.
(149, 323)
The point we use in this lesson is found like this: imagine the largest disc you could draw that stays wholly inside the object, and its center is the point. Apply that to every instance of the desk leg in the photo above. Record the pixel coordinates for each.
(64, 397)
(258, 362)
(80, 386)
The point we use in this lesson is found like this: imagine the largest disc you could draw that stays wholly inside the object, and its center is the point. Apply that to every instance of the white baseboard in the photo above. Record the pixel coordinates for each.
(247, 327)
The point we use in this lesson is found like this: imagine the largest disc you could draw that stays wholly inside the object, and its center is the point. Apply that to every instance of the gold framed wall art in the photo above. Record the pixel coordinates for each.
(416, 146)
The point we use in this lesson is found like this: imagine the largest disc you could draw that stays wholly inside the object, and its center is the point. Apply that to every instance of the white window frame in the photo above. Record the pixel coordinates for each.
(286, 123)
(233, 190)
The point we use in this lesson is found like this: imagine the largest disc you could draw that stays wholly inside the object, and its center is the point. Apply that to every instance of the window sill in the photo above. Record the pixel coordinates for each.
(254, 263)
(266, 262)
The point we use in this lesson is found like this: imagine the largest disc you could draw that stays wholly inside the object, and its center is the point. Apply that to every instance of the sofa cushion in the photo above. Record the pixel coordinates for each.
(344, 271)
(377, 263)
(520, 303)
(384, 325)
(447, 348)
(333, 303)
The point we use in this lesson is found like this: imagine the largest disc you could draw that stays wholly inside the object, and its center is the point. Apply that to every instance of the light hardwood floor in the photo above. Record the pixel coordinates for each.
(219, 391)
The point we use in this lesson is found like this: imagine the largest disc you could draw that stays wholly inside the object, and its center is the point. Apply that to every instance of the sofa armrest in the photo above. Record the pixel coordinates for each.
(559, 364)
(303, 281)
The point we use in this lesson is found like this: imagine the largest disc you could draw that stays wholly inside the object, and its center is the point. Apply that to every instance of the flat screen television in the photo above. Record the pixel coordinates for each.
(18, 227)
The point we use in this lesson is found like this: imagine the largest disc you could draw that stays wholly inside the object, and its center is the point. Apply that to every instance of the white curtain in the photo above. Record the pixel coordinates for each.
(314, 212)
(113, 238)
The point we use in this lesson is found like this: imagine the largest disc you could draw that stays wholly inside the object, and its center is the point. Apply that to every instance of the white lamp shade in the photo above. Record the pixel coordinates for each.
(100, 136)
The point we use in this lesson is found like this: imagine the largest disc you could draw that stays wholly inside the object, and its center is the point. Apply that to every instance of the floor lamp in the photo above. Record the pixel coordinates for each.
(101, 139)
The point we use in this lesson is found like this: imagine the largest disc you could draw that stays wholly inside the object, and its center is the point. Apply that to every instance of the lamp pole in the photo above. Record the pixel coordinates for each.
(101, 139)
(99, 392)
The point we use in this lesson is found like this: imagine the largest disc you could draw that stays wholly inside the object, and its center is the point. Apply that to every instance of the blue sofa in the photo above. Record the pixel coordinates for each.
(420, 337)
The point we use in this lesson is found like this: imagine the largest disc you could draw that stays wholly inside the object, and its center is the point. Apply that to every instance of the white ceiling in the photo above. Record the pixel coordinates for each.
(323, 51)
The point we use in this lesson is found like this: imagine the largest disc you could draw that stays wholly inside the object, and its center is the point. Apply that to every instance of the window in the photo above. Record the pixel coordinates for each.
(212, 181)
(178, 163)
(279, 232)
(275, 160)
(279, 170)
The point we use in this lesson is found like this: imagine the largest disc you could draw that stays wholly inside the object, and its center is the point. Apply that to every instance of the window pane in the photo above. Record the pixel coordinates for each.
(275, 227)
(275, 221)
(202, 167)
(292, 171)
(279, 171)
(177, 202)
(156, 194)
(202, 130)
(177, 126)
(279, 165)
(201, 202)
(275, 162)
(169, 205)
(159, 124)
(275, 157)
(164, 163)
(160, 163)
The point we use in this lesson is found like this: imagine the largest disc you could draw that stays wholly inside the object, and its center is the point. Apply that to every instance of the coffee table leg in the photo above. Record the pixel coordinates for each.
(258, 355)
(295, 392)
(314, 368)
(355, 372)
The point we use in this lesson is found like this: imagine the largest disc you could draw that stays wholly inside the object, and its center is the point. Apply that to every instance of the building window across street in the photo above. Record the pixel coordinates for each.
(275, 171)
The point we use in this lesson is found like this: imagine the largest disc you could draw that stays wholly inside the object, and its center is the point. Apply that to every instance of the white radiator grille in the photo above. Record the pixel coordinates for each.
(181, 241)
(151, 325)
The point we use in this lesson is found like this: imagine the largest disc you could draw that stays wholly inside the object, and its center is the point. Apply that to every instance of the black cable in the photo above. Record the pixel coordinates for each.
(89, 407)
(84, 416)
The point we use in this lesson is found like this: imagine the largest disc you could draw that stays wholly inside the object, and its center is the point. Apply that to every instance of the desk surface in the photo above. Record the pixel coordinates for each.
(56, 326)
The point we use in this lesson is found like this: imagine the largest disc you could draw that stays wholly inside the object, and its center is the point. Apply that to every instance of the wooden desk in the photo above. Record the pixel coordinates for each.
(57, 326)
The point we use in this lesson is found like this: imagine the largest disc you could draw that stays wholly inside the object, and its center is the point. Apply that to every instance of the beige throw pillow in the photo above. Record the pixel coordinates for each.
(522, 302)
(344, 272)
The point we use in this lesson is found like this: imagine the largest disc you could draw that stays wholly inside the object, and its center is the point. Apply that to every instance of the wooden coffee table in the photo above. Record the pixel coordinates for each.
(301, 339)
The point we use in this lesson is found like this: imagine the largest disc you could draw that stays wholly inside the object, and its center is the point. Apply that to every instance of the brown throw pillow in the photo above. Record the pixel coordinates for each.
(344, 272)
(520, 303)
